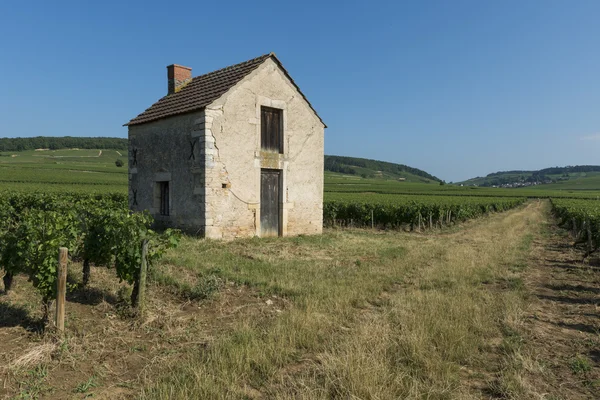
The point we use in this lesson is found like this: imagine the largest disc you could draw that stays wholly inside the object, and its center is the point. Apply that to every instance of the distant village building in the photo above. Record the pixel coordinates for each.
(232, 153)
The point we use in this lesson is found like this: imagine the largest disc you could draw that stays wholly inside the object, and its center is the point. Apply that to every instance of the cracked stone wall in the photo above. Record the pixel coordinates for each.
(165, 150)
(233, 178)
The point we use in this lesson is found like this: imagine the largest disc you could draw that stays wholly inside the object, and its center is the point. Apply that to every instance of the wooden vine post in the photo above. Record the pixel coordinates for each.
(140, 299)
(8, 280)
(61, 288)
(589, 236)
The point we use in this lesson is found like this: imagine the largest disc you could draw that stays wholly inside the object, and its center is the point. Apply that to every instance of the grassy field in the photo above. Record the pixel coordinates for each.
(69, 169)
(353, 314)
(582, 181)
(381, 316)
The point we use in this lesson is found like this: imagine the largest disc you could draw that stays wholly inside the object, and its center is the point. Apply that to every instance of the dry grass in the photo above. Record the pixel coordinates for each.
(33, 356)
(105, 352)
(383, 316)
(352, 314)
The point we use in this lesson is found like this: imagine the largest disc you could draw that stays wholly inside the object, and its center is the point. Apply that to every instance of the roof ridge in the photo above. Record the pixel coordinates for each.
(202, 90)
(199, 91)
(255, 59)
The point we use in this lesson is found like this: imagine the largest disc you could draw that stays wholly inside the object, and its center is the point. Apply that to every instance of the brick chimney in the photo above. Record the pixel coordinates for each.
(178, 76)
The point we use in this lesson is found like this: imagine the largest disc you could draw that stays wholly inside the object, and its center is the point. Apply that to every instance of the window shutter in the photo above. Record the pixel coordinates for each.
(271, 129)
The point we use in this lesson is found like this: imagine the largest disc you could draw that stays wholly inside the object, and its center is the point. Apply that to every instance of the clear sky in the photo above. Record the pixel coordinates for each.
(457, 88)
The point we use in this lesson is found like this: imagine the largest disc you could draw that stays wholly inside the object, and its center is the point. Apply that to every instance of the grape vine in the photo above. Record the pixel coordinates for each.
(98, 229)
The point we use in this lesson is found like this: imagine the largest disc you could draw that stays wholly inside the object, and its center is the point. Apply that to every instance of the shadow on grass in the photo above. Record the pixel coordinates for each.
(595, 355)
(580, 327)
(571, 265)
(12, 315)
(574, 288)
(569, 300)
(494, 390)
(91, 296)
(559, 247)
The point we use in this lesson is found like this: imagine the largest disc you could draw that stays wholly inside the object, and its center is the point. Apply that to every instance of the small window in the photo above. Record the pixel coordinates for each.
(271, 131)
(164, 198)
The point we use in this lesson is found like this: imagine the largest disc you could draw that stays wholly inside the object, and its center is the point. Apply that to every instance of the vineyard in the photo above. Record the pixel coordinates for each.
(229, 309)
(338, 184)
(416, 212)
(72, 170)
(96, 229)
(93, 221)
(582, 218)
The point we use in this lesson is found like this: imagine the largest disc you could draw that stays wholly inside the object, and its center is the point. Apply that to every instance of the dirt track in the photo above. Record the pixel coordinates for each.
(563, 322)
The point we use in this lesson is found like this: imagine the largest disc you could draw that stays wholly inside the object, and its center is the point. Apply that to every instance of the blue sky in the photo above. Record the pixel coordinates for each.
(457, 88)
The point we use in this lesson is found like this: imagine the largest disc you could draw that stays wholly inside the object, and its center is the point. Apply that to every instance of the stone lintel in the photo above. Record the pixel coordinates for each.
(162, 176)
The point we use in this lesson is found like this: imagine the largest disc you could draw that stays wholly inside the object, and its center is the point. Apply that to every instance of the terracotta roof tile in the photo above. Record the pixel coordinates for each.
(203, 90)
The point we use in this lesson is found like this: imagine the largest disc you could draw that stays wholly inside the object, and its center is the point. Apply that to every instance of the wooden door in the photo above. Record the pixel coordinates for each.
(270, 189)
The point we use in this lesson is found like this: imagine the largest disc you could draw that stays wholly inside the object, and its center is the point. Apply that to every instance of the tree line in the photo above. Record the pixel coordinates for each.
(552, 170)
(64, 142)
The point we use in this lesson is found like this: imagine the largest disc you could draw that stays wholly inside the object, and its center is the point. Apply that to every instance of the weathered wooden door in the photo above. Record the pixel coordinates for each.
(270, 189)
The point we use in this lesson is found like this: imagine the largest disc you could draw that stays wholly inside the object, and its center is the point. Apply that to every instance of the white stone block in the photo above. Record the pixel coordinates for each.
(210, 114)
(278, 104)
(213, 232)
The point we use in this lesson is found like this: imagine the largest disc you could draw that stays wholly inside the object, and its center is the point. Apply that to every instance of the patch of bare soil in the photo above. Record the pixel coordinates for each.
(563, 322)
(106, 353)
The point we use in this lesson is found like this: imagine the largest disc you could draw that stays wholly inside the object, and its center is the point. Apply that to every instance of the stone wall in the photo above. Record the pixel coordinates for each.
(165, 150)
(233, 182)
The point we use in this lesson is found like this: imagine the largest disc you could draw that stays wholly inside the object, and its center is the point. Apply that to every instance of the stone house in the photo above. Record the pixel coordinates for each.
(236, 152)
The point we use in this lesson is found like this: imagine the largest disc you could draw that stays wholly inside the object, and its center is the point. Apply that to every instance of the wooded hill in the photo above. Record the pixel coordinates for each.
(367, 168)
(543, 176)
(64, 142)
(344, 165)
